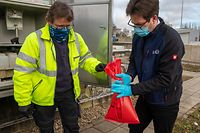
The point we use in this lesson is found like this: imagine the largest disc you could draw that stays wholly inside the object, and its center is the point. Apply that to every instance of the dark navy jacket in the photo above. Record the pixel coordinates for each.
(156, 59)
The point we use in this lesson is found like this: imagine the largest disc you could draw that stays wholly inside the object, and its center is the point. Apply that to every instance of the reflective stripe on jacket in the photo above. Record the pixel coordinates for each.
(35, 70)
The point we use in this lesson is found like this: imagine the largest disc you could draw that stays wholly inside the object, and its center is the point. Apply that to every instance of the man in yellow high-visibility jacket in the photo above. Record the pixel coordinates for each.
(46, 71)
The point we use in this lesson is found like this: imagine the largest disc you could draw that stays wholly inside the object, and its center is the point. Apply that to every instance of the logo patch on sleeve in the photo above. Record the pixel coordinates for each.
(174, 57)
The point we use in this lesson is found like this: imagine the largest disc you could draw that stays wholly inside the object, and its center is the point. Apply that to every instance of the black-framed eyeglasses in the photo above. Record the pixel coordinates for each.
(136, 26)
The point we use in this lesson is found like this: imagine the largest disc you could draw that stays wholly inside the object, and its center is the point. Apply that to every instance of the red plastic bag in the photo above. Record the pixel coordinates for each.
(121, 109)
(113, 68)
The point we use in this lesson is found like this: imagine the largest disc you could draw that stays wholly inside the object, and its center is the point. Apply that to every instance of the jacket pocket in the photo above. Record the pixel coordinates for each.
(76, 60)
(36, 86)
(76, 57)
(157, 97)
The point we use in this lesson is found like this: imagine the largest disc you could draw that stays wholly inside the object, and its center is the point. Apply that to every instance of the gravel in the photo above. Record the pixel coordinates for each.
(88, 118)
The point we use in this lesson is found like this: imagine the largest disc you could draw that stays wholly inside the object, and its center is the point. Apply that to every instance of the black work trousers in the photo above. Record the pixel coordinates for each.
(163, 117)
(69, 113)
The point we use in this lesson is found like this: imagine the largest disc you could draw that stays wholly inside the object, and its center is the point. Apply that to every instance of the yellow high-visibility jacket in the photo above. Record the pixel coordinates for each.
(35, 69)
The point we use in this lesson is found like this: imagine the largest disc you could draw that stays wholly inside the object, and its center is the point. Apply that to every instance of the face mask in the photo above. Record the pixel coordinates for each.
(143, 31)
(59, 35)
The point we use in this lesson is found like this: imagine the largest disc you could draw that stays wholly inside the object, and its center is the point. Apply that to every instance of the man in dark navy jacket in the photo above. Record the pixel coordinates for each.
(156, 60)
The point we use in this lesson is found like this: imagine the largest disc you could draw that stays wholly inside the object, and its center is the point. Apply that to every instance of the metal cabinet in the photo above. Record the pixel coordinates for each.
(93, 20)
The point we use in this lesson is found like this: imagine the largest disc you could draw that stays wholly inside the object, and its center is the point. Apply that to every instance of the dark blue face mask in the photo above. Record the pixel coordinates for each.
(59, 35)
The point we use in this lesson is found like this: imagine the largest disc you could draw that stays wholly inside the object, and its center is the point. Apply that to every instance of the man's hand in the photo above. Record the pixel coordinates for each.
(25, 110)
(100, 67)
(125, 78)
(121, 89)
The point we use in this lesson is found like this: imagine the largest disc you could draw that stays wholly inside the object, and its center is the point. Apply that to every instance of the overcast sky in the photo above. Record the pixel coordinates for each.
(170, 11)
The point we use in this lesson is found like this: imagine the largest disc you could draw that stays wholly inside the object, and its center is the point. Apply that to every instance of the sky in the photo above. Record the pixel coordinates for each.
(170, 11)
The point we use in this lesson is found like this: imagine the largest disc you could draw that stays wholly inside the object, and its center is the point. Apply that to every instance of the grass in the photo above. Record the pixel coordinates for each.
(191, 124)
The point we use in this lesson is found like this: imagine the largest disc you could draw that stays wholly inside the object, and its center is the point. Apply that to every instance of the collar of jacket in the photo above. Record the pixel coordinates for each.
(46, 34)
(157, 27)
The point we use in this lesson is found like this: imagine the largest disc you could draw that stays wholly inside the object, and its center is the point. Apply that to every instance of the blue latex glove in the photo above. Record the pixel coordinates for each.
(121, 89)
(125, 78)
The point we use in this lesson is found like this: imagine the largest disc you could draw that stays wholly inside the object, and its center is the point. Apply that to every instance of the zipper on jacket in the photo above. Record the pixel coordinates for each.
(141, 64)
(166, 95)
(35, 87)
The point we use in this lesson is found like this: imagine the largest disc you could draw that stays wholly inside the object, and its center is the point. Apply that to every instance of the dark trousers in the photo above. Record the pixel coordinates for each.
(69, 112)
(163, 117)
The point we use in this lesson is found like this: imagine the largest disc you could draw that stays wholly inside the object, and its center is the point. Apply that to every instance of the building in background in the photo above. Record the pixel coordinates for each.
(189, 35)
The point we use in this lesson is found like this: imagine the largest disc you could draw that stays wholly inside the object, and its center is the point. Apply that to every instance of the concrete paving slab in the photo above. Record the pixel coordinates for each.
(198, 92)
(105, 126)
(117, 124)
(125, 126)
(90, 130)
(151, 125)
(192, 82)
(188, 92)
(180, 114)
(149, 130)
(192, 101)
(195, 88)
(98, 121)
(184, 96)
(192, 74)
(119, 130)
(190, 97)
(182, 110)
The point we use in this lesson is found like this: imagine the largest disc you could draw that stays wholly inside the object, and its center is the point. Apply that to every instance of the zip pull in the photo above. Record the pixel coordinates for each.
(53, 49)
(147, 53)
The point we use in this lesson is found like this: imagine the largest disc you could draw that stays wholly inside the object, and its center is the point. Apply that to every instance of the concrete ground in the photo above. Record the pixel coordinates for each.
(190, 97)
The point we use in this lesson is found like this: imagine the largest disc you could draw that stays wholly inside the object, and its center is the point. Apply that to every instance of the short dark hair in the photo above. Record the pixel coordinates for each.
(59, 10)
(145, 8)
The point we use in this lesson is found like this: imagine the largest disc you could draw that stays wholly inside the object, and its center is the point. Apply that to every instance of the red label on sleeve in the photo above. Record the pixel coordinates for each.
(174, 57)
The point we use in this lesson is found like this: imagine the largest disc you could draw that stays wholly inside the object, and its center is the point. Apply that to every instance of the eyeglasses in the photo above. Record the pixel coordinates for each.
(136, 26)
